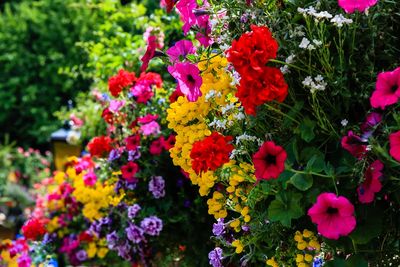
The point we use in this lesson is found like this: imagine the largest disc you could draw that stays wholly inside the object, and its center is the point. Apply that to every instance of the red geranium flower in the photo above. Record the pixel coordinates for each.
(372, 184)
(253, 50)
(118, 82)
(100, 146)
(211, 152)
(394, 142)
(257, 89)
(129, 171)
(108, 116)
(132, 142)
(354, 144)
(175, 95)
(33, 229)
(269, 161)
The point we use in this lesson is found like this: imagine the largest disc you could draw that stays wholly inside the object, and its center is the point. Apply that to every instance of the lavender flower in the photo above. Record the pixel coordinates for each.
(134, 233)
(157, 186)
(114, 154)
(134, 154)
(133, 211)
(81, 255)
(215, 257)
(219, 227)
(112, 240)
(124, 251)
(152, 225)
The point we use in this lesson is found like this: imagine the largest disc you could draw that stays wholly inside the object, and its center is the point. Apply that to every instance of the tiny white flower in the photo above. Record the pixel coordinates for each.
(340, 20)
(307, 81)
(304, 43)
(344, 122)
(317, 42)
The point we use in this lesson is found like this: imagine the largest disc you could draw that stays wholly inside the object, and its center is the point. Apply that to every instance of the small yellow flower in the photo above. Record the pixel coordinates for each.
(308, 257)
(299, 258)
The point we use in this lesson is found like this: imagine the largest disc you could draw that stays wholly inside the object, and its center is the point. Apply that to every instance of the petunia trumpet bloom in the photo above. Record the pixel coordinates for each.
(334, 215)
(372, 184)
(394, 142)
(269, 161)
(350, 6)
(189, 79)
(387, 91)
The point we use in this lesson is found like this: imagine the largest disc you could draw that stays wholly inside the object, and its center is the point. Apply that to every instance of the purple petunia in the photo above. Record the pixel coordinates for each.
(152, 225)
(133, 211)
(157, 186)
(219, 227)
(112, 240)
(81, 255)
(215, 257)
(134, 233)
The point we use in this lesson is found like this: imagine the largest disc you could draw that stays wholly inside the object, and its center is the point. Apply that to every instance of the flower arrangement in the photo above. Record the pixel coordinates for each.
(264, 127)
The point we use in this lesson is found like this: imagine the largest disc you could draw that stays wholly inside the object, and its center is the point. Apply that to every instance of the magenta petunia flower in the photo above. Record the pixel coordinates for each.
(354, 144)
(189, 79)
(333, 215)
(352, 5)
(151, 128)
(372, 119)
(180, 50)
(116, 105)
(387, 91)
(394, 142)
(185, 9)
(372, 184)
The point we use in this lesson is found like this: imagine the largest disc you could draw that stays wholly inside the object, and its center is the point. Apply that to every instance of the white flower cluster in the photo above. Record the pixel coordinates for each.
(235, 77)
(306, 44)
(316, 84)
(220, 124)
(311, 11)
(212, 94)
(227, 108)
(340, 20)
(288, 60)
(297, 32)
(248, 138)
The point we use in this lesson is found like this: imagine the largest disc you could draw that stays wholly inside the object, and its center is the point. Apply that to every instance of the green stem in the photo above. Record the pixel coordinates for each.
(284, 63)
(281, 113)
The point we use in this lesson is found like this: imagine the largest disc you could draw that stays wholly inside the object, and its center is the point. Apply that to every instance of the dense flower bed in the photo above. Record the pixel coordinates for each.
(284, 117)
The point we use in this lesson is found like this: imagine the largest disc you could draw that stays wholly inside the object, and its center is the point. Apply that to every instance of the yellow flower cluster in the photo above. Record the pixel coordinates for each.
(216, 205)
(308, 243)
(94, 198)
(5, 256)
(238, 245)
(189, 119)
(97, 248)
(272, 262)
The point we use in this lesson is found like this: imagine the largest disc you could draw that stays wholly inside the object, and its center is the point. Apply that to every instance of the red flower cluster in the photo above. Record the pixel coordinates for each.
(118, 82)
(269, 161)
(258, 83)
(211, 152)
(33, 229)
(99, 146)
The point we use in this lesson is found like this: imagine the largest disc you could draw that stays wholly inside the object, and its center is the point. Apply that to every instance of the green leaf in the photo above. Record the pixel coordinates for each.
(356, 261)
(336, 263)
(307, 129)
(369, 225)
(285, 207)
(315, 164)
(301, 181)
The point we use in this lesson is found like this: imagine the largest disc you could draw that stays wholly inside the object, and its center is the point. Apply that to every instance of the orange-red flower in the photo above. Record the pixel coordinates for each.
(211, 152)
(120, 81)
(99, 146)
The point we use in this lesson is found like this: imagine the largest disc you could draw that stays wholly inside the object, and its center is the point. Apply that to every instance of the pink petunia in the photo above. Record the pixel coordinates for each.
(90, 178)
(394, 142)
(354, 144)
(387, 91)
(180, 50)
(151, 128)
(372, 184)
(333, 215)
(189, 79)
(350, 6)
(148, 118)
(116, 105)
(185, 9)
(269, 161)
